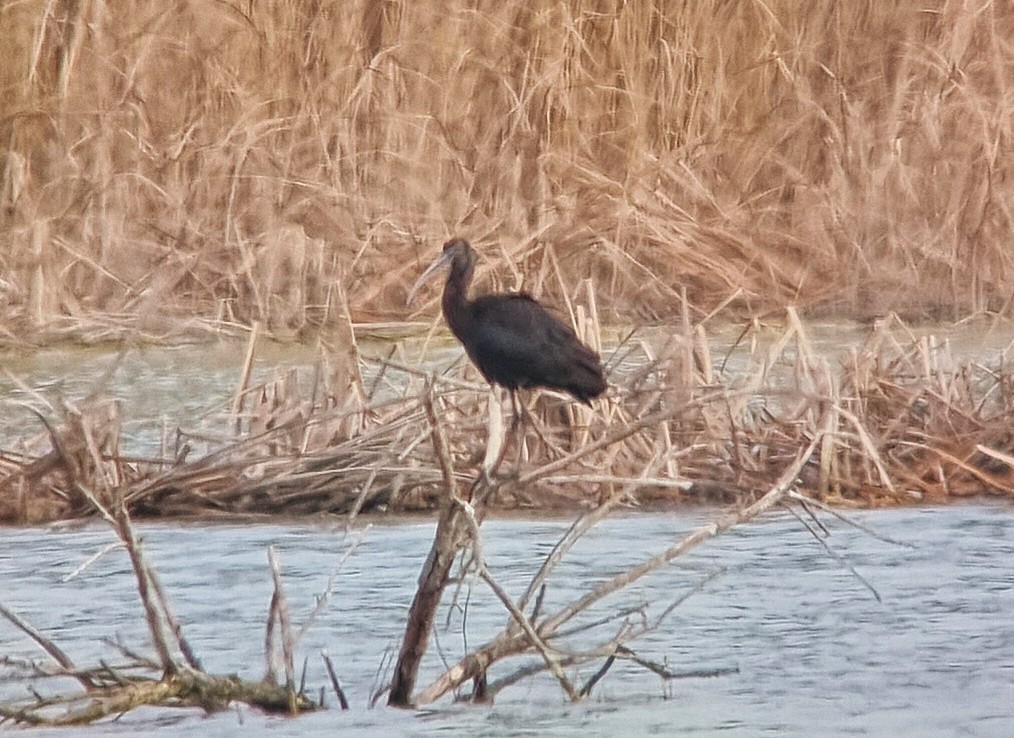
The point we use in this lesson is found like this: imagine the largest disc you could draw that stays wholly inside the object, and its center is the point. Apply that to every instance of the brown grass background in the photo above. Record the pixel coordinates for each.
(239, 160)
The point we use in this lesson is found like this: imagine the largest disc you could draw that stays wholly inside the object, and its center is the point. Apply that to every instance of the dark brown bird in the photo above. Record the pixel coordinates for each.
(513, 340)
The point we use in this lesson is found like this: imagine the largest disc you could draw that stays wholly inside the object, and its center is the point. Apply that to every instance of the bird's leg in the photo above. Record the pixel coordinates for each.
(515, 411)
(496, 443)
(531, 420)
(517, 431)
(521, 417)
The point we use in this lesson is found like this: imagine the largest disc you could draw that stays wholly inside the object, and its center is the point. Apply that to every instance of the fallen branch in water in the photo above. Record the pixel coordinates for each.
(822, 414)
(175, 678)
(517, 639)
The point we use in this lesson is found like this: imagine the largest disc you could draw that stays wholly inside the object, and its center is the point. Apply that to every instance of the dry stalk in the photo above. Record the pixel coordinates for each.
(244, 377)
(869, 447)
(280, 616)
(898, 432)
(678, 176)
(152, 613)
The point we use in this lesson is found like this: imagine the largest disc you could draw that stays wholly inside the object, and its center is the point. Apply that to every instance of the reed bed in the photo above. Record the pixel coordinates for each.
(173, 170)
(909, 422)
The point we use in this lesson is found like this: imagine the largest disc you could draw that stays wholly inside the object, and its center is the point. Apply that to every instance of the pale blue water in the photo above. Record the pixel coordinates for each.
(816, 653)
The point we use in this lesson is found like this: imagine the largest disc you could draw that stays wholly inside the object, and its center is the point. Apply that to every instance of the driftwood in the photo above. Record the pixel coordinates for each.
(459, 526)
(524, 634)
(175, 677)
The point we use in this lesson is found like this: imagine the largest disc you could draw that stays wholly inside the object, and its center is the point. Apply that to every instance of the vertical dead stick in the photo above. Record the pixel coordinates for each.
(284, 626)
(175, 627)
(435, 572)
(335, 682)
(270, 628)
(37, 292)
(156, 624)
(244, 379)
(440, 447)
(494, 430)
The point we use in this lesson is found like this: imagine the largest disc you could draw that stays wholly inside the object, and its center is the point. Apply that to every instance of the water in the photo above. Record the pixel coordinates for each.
(816, 653)
(158, 388)
(162, 388)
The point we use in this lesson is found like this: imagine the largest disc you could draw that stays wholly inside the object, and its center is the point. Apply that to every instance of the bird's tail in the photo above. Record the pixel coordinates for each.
(588, 378)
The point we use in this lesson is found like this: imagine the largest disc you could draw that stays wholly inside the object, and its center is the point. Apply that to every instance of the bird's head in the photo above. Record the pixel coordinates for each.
(457, 256)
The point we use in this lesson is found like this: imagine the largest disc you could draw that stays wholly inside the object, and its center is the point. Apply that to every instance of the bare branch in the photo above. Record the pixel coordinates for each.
(156, 623)
(47, 645)
(512, 641)
(694, 539)
(834, 554)
(335, 682)
(284, 625)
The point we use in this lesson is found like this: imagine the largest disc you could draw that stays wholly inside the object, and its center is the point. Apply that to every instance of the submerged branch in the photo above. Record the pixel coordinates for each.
(47, 645)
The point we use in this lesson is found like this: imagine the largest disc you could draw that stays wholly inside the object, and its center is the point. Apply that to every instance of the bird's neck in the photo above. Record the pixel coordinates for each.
(455, 303)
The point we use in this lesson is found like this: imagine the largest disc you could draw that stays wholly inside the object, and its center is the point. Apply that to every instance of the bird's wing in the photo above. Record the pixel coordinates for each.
(516, 323)
(518, 342)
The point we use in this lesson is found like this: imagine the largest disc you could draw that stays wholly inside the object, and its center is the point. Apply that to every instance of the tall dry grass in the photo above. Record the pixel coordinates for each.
(233, 161)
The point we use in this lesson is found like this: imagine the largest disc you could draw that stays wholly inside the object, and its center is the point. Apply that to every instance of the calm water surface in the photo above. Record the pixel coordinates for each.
(816, 653)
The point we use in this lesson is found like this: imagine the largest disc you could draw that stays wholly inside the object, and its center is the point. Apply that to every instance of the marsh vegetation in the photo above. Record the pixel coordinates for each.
(170, 169)
(283, 172)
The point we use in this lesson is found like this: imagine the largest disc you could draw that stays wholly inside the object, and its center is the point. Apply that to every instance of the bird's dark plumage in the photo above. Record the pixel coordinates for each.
(513, 340)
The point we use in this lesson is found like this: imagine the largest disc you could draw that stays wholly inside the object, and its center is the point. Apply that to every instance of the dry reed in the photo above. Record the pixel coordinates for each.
(910, 422)
(166, 170)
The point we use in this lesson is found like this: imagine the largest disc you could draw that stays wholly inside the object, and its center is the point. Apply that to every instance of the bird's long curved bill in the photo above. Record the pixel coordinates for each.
(439, 263)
